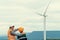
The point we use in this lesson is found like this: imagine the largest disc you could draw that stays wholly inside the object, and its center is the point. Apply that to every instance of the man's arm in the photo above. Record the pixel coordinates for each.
(16, 34)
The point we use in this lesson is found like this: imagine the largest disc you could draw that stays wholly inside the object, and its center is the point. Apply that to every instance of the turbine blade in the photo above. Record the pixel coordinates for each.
(38, 14)
(47, 7)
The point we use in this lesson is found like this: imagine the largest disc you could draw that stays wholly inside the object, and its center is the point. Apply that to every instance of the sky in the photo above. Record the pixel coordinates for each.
(23, 13)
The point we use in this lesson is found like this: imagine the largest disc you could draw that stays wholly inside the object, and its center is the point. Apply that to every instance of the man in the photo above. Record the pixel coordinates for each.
(21, 35)
(10, 36)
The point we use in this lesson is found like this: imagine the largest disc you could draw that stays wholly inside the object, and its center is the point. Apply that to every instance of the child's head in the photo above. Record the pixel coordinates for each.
(21, 29)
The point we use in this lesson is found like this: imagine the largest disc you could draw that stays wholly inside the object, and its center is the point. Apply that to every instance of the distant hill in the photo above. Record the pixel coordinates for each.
(3, 37)
(53, 34)
(38, 35)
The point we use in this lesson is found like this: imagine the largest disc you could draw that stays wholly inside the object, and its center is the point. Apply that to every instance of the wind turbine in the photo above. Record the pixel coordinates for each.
(44, 15)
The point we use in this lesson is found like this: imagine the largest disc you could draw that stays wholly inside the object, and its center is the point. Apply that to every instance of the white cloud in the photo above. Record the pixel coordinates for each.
(54, 7)
(22, 12)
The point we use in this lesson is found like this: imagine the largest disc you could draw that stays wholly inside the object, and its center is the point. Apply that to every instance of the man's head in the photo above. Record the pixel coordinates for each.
(21, 29)
(12, 27)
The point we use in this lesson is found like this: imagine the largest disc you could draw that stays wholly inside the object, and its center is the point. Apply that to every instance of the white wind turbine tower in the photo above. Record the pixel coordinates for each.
(44, 15)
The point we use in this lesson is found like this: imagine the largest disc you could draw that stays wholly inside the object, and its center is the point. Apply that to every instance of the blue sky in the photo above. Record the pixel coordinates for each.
(22, 13)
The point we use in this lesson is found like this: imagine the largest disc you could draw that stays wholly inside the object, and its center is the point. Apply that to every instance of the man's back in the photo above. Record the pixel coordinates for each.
(10, 37)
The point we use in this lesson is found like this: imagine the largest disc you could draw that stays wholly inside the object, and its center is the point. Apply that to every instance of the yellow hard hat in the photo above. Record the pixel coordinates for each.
(20, 29)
